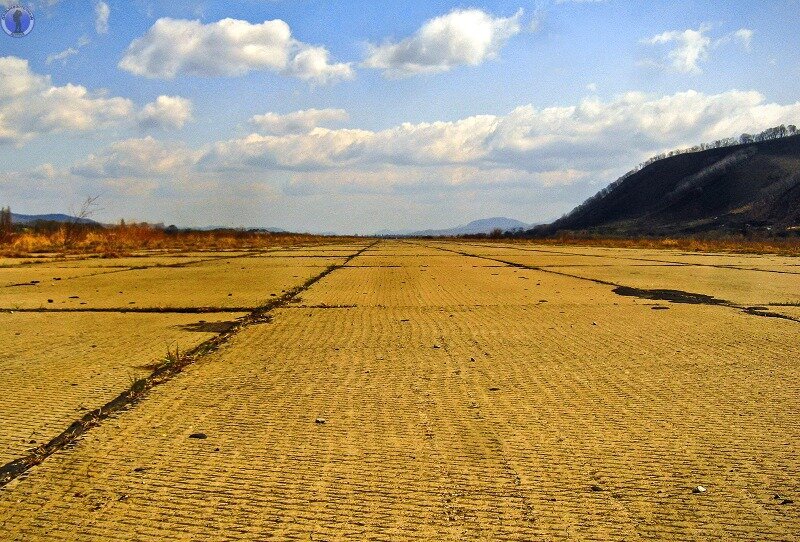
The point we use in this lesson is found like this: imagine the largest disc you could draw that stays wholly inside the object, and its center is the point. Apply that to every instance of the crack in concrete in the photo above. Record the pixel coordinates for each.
(673, 296)
(144, 310)
(670, 262)
(161, 374)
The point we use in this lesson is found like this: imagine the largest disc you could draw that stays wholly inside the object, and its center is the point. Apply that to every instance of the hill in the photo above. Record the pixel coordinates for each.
(482, 226)
(738, 188)
(56, 217)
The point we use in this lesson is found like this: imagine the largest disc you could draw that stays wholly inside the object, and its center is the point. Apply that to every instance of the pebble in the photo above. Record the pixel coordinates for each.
(699, 489)
(319, 421)
(200, 436)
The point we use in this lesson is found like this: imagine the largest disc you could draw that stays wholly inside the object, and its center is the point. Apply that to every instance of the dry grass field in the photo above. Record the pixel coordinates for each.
(420, 390)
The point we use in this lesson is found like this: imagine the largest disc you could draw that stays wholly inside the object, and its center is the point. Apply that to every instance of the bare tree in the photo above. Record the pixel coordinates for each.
(6, 226)
(75, 227)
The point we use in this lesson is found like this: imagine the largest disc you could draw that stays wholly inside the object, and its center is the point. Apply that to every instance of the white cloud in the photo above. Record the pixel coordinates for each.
(745, 37)
(463, 37)
(229, 47)
(298, 121)
(693, 47)
(535, 161)
(593, 135)
(30, 106)
(45, 171)
(61, 56)
(313, 64)
(166, 112)
(69, 52)
(538, 18)
(101, 14)
(137, 158)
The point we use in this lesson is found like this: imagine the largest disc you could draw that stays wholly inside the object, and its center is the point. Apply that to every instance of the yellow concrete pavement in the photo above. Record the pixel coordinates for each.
(419, 394)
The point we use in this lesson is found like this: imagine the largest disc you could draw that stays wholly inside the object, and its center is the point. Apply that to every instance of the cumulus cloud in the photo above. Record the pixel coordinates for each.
(101, 14)
(297, 122)
(592, 135)
(136, 158)
(463, 37)
(30, 106)
(540, 159)
(230, 47)
(313, 64)
(166, 112)
(525, 153)
(691, 48)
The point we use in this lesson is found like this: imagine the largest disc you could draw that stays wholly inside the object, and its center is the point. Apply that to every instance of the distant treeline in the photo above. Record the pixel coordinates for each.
(767, 135)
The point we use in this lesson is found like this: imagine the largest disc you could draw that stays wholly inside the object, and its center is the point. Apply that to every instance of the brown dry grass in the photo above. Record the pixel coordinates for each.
(123, 239)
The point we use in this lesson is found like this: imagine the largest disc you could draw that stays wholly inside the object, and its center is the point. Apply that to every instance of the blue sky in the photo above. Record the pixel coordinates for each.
(359, 116)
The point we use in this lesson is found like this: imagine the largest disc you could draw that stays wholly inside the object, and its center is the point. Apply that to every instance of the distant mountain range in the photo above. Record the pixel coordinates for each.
(733, 189)
(482, 226)
(57, 217)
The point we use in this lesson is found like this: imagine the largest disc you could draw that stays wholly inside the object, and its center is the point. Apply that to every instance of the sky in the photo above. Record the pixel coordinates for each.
(360, 116)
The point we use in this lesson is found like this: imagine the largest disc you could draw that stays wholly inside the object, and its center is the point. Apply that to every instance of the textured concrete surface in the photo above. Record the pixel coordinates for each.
(420, 394)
